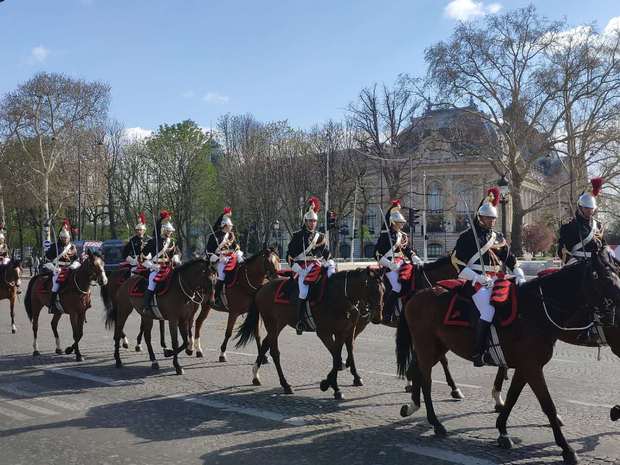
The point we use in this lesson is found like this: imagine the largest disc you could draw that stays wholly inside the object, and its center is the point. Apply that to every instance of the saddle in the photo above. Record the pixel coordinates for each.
(406, 277)
(463, 312)
(163, 280)
(287, 291)
(44, 286)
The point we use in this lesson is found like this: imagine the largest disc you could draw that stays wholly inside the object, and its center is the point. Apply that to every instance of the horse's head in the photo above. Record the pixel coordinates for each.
(13, 272)
(602, 276)
(207, 277)
(94, 267)
(270, 263)
(373, 290)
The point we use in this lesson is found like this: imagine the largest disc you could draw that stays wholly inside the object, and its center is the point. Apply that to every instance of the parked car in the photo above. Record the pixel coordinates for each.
(112, 251)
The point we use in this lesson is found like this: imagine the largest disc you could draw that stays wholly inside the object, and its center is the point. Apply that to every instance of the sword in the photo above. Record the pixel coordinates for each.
(473, 227)
(387, 231)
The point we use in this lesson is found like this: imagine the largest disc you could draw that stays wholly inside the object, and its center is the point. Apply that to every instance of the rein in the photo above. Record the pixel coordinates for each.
(77, 286)
(192, 297)
(542, 298)
(353, 304)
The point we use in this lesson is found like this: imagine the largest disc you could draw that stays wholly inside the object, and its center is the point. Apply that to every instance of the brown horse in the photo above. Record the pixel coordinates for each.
(189, 284)
(10, 279)
(543, 303)
(347, 295)
(250, 276)
(74, 296)
(423, 277)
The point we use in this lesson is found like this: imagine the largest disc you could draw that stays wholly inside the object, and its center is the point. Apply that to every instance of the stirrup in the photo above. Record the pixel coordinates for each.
(300, 327)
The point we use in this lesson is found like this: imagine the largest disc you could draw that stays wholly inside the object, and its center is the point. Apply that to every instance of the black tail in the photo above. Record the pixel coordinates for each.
(28, 297)
(110, 310)
(105, 296)
(246, 333)
(404, 348)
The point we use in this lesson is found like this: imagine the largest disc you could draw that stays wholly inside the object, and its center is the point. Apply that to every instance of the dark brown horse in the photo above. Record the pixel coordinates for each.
(74, 296)
(250, 276)
(424, 276)
(566, 296)
(10, 279)
(347, 295)
(189, 285)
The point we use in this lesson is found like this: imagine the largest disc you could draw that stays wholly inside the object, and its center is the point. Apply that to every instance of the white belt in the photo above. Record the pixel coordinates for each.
(581, 254)
(490, 268)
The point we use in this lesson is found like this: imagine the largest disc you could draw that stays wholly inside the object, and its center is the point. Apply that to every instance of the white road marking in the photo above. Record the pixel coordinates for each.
(443, 454)
(94, 378)
(588, 404)
(253, 412)
(18, 390)
(392, 375)
(14, 415)
(31, 407)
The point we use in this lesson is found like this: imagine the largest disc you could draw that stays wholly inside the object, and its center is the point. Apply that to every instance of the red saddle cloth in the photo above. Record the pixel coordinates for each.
(44, 285)
(287, 289)
(163, 280)
(406, 272)
(546, 272)
(314, 274)
(503, 297)
(231, 264)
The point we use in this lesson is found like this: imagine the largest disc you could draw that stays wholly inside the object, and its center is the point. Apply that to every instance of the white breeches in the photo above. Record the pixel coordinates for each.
(303, 272)
(4, 260)
(221, 264)
(56, 272)
(394, 279)
(482, 299)
(152, 283)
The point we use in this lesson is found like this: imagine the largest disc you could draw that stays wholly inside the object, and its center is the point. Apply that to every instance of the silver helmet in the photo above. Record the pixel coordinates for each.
(167, 227)
(587, 200)
(488, 207)
(314, 205)
(397, 217)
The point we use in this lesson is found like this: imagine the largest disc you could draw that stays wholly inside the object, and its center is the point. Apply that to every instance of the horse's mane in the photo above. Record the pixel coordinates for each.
(552, 278)
(186, 265)
(250, 260)
(441, 261)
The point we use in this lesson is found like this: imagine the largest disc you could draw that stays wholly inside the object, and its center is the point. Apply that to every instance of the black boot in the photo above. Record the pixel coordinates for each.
(148, 305)
(480, 342)
(301, 316)
(219, 288)
(53, 307)
(390, 306)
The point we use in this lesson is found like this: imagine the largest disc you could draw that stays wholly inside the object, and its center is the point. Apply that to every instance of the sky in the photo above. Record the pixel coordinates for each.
(167, 61)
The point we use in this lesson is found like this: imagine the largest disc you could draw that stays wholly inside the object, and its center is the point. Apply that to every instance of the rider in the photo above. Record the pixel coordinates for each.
(582, 234)
(63, 255)
(221, 246)
(160, 251)
(392, 251)
(133, 249)
(494, 253)
(308, 249)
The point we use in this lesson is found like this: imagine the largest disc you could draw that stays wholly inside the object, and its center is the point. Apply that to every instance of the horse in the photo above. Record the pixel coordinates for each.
(249, 277)
(188, 286)
(10, 279)
(527, 343)
(423, 277)
(74, 296)
(348, 295)
(117, 278)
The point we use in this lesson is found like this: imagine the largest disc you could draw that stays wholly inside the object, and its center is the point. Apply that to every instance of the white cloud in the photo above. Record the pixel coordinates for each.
(214, 97)
(39, 54)
(612, 26)
(464, 10)
(137, 133)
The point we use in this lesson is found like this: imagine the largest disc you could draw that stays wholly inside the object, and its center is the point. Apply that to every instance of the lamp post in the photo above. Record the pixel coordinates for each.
(445, 224)
(276, 233)
(504, 190)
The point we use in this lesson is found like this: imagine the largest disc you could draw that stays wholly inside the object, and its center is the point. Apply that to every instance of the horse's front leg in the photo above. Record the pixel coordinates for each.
(77, 325)
(202, 316)
(230, 324)
(456, 391)
(349, 342)
(173, 325)
(334, 345)
(12, 307)
(55, 320)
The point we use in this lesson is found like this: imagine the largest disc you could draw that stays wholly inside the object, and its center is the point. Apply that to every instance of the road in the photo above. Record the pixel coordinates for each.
(54, 410)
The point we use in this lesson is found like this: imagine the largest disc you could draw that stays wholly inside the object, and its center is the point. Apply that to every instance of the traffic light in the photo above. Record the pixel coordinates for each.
(331, 219)
(414, 218)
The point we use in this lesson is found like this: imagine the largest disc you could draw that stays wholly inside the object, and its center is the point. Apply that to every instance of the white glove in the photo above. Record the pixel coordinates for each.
(386, 262)
(213, 258)
(416, 260)
(519, 275)
(470, 275)
(131, 260)
(394, 266)
(483, 280)
(176, 259)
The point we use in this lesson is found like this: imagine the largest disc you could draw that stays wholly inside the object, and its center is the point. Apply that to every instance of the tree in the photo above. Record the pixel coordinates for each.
(44, 114)
(537, 238)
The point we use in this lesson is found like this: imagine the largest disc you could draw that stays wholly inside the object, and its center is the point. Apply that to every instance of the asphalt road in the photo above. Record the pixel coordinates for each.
(56, 411)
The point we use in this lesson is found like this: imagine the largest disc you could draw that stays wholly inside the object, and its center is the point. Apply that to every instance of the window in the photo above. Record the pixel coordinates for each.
(435, 207)
(464, 198)
(434, 250)
(370, 221)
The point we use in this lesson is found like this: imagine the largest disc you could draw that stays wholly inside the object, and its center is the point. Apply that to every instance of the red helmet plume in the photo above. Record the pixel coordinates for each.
(597, 185)
(164, 214)
(315, 203)
(227, 211)
(141, 218)
(493, 195)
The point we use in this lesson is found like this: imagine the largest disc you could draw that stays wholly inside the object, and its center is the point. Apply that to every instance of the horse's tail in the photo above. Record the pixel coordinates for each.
(28, 297)
(110, 309)
(105, 296)
(404, 347)
(247, 330)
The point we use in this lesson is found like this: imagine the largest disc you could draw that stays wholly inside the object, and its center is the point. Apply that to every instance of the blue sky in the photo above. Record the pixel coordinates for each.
(303, 61)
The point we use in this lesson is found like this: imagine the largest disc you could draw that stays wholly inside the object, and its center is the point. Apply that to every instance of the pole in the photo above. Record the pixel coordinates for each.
(79, 205)
(327, 199)
(353, 228)
(424, 218)
(503, 202)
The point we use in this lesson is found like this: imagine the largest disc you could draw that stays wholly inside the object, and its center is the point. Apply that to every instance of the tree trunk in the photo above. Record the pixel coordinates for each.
(517, 219)
(46, 207)
(2, 211)
(111, 213)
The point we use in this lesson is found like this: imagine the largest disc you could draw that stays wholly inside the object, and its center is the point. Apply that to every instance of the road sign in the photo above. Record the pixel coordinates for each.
(47, 244)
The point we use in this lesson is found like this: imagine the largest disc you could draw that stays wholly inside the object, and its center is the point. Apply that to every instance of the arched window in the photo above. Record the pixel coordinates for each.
(435, 197)
(434, 250)
(463, 192)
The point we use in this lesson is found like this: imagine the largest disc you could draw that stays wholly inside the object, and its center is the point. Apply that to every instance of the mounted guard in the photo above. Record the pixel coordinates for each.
(307, 250)
(392, 251)
(134, 248)
(582, 234)
(222, 248)
(62, 257)
(480, 253)
(161, 255)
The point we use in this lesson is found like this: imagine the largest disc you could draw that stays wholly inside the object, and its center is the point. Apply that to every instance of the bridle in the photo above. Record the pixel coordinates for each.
(196, 297)
(356, 303)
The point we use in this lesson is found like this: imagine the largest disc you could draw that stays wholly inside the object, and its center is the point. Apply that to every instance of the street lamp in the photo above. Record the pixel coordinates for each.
(276, 233)
(504, 190)
(445, 224)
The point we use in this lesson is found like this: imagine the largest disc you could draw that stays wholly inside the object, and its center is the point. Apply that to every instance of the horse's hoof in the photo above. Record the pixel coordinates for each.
(189, 352)
(358, 381)
(338, 395)
(457, 394)
(499, 408)
(570, 457)
(69, 350)
(125, 345)
(256, 382)
(505, 442)
(13, 330)
(180, 370)
(440, 431)
(168, 352)
(58, 351)
(614, 413)
(288, 390)
(341, 367)
(409, 388)
(223, 358)
(324, 385)
(118, 364)
(138, 348)
(199, 354)
(264, 360)
(79, 358)
(36, 353)
(155, 366)
(404, 411)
